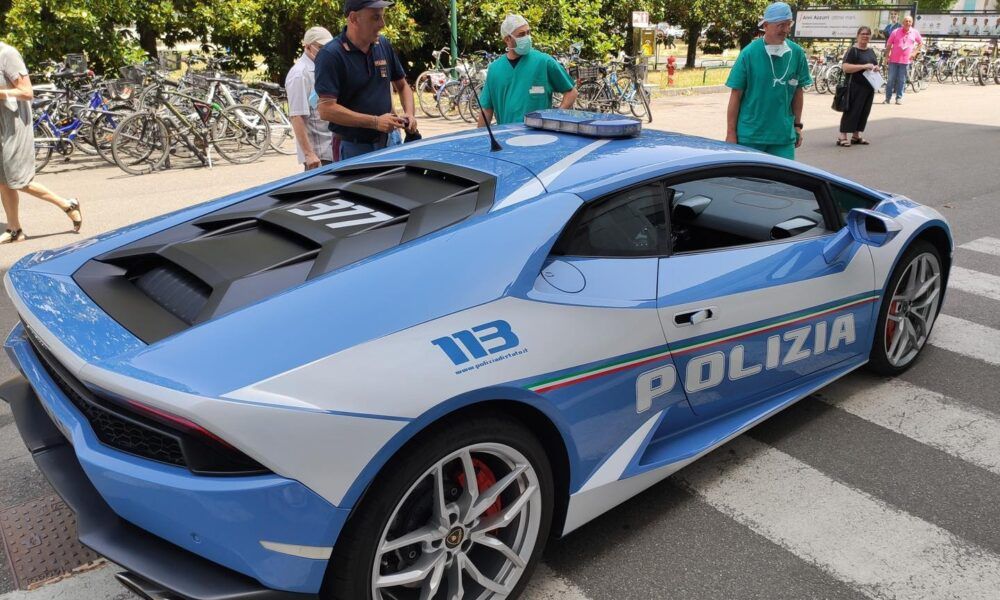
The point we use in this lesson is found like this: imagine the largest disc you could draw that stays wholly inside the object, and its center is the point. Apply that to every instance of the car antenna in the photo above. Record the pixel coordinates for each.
(494, 144)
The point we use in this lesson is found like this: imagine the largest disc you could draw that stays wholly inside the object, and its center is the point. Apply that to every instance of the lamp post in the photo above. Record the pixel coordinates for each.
(454, 31)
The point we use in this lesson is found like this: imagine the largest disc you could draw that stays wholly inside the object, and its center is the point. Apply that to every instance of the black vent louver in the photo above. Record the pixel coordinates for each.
(253, 249)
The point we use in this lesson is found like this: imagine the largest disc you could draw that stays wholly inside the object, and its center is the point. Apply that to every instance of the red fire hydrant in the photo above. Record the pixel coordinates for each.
(671, 68)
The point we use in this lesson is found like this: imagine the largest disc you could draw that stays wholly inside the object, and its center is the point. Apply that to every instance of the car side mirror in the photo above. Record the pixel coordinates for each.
(872, 228)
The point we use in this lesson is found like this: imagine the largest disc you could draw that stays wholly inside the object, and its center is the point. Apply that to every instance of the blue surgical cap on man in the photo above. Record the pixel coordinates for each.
(777, 12)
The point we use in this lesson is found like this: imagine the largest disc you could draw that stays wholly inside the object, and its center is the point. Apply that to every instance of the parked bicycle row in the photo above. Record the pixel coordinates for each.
(143, 120)
(969, 63)
(452, 92)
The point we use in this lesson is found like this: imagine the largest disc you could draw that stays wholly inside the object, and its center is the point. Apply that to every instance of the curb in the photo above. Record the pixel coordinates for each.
(689, 91)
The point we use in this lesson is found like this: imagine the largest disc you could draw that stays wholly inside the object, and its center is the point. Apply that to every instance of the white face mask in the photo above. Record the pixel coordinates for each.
(778, 50)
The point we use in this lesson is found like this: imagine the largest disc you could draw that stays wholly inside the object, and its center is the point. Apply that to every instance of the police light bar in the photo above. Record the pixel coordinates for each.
(583, 123)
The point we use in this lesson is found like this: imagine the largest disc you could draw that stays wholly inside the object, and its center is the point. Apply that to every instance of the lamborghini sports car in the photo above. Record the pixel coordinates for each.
(395, 378)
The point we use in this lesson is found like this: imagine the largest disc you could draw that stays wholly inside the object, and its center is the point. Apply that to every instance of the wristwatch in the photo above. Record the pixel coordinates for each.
(798, 125)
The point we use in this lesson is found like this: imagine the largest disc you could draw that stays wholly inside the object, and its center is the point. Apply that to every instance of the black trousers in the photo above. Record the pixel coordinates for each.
(855, 118)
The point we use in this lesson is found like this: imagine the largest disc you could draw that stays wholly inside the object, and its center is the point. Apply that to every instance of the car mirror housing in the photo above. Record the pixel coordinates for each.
(872, 228)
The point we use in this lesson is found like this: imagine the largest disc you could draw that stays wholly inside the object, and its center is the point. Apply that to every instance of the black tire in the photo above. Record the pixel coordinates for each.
(102, 129)
(351, 569)
(241, 134)
(44, 145)
(879, 360)
(140, 144)
(448, 99)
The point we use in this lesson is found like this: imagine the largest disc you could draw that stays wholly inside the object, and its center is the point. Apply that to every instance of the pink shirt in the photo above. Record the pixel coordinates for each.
(902, 44)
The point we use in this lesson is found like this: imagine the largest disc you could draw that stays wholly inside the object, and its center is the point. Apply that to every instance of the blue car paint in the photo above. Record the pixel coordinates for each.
(221, 518)
(401, 290)
(606, 282)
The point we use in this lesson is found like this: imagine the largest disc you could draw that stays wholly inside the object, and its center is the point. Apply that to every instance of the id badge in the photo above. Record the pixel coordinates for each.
(537, 89)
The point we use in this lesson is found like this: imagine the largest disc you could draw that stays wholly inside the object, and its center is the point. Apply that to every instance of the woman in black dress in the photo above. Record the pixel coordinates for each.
(859, 59)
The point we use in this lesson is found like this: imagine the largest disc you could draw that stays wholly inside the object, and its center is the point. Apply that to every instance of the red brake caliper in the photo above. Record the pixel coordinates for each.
(485, 479)
(890, 326)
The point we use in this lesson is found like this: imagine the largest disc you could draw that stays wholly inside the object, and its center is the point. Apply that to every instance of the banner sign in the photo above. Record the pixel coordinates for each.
(818, 23)
(959, 24)
(640, 18)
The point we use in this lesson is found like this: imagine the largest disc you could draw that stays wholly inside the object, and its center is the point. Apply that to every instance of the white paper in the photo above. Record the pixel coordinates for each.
(875, 78)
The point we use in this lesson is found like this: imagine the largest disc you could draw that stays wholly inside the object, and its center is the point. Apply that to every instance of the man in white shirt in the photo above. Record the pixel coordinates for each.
(313, 140)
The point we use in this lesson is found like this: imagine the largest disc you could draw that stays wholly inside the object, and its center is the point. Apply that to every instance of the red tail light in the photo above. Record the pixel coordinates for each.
(172, 420)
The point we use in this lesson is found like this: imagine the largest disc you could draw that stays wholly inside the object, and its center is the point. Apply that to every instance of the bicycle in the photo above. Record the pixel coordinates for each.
(430, 82)
(145, 141)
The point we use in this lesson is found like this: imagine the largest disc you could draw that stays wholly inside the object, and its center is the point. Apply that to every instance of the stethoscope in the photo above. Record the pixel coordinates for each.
(777, 79)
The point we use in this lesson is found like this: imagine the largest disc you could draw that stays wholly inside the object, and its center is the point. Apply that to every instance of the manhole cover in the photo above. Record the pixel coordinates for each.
(40, 539)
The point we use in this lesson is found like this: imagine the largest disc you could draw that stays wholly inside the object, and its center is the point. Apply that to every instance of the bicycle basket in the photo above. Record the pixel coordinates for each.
(76, 62)
(132, 74)
(584, 72)
(171, 61)
(120, 89)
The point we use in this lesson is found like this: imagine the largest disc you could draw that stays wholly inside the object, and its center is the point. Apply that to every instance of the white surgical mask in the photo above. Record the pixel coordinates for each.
(778, 50)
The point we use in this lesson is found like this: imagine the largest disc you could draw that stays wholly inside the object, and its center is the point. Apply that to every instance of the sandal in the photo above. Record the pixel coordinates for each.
(12, 235)
(859, 141)
(74, 204)
(843, 143)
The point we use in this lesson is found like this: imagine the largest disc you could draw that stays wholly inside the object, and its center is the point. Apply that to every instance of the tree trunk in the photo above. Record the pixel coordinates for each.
(287, 50)
(692, 34)
(147, 39)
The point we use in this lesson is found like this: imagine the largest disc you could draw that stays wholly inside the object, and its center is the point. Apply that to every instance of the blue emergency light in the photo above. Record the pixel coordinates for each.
(582, 122)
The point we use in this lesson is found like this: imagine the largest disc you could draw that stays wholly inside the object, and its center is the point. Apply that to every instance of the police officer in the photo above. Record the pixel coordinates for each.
(522, 80)
(355, 74)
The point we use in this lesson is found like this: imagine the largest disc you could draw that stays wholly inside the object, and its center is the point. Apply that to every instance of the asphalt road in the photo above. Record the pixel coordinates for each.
(872, 488)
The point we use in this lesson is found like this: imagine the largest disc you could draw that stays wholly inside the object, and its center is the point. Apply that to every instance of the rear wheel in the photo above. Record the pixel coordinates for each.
(465, 515)
(448, 100)
(45, 143)
(140, 144)
(241, 134)
(909, 308)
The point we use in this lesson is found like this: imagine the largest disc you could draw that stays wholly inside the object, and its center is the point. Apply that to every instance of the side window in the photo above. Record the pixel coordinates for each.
(630, 223)
(846, 200)
(720, 212)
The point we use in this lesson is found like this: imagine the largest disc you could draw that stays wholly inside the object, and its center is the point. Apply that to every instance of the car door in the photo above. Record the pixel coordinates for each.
(606, 262)
(749, 304)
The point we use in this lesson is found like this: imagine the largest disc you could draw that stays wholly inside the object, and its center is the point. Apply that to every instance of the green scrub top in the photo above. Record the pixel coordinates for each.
(768, 84)
(514, 91)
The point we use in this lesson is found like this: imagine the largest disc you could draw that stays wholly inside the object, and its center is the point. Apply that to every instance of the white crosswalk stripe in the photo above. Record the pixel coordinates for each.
(884, 552)
(965, 432)
(974, 282)
(967, 338)
(986, 245)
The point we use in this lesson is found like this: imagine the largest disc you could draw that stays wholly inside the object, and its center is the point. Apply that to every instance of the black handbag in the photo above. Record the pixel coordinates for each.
(842, 95)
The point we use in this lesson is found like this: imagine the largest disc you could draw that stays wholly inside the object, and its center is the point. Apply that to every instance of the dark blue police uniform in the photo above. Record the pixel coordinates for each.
(360, 81)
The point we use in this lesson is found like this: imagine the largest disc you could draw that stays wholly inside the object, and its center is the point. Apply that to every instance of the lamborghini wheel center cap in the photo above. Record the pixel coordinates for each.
(455, 537)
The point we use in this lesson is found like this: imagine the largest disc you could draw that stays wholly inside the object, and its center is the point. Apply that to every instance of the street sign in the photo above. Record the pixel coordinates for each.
(640, 18)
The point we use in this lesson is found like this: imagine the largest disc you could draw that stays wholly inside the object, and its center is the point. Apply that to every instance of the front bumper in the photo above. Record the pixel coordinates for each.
(152, 558)
(196, 536)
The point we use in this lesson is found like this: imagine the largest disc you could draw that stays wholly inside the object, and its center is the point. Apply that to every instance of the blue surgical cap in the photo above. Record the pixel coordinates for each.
(777, 13)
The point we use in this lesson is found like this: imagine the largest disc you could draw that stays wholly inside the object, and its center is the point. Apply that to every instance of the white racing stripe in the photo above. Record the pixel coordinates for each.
(986, 245)
(967, 338)
(884, 552)
(963, 431)
(974, 282)
(546, 585)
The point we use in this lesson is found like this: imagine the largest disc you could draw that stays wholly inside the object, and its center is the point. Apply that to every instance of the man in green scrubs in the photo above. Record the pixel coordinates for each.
(522, 80)
(765, 104)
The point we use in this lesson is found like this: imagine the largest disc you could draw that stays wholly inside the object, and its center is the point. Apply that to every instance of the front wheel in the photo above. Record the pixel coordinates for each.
(464, 515)
(241, 134)
(45, 143)
(909, 308)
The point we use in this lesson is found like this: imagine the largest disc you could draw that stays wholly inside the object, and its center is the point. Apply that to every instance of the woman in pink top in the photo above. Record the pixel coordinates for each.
(900, 47)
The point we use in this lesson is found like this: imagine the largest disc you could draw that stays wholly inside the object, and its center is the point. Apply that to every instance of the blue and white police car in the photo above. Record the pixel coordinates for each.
(396, 377)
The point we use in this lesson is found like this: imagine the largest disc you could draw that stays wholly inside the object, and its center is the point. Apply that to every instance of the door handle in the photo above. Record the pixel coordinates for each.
(695, 316)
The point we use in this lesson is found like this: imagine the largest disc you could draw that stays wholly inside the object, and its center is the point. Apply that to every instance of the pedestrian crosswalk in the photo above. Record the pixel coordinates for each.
(868, 539)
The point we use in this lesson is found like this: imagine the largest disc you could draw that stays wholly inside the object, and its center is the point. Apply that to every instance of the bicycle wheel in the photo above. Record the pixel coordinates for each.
(45, 142)
(140, 144)
(626, 90)
(833, 75)
(426, 93)
(640, 104)
(820, 82)
(102, 130)
(241, 134)
(587, 93)
(468, 107)
(448, 98)
(996, 72)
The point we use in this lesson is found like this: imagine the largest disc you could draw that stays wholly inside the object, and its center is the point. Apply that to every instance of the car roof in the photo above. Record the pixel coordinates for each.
(586, 166)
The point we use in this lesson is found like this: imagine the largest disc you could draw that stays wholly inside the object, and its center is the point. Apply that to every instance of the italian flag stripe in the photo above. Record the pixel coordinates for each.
(554, 383)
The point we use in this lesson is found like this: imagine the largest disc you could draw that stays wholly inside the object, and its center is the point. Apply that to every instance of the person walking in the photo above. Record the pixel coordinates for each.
(523, 79)
(859, 60)
(355, 75)
(900, 47)
(17, 148)
(313, 140)
(765, 102)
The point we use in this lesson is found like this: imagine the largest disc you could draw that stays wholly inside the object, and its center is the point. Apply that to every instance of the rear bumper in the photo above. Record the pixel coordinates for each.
(201, 537)
(150, 557)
